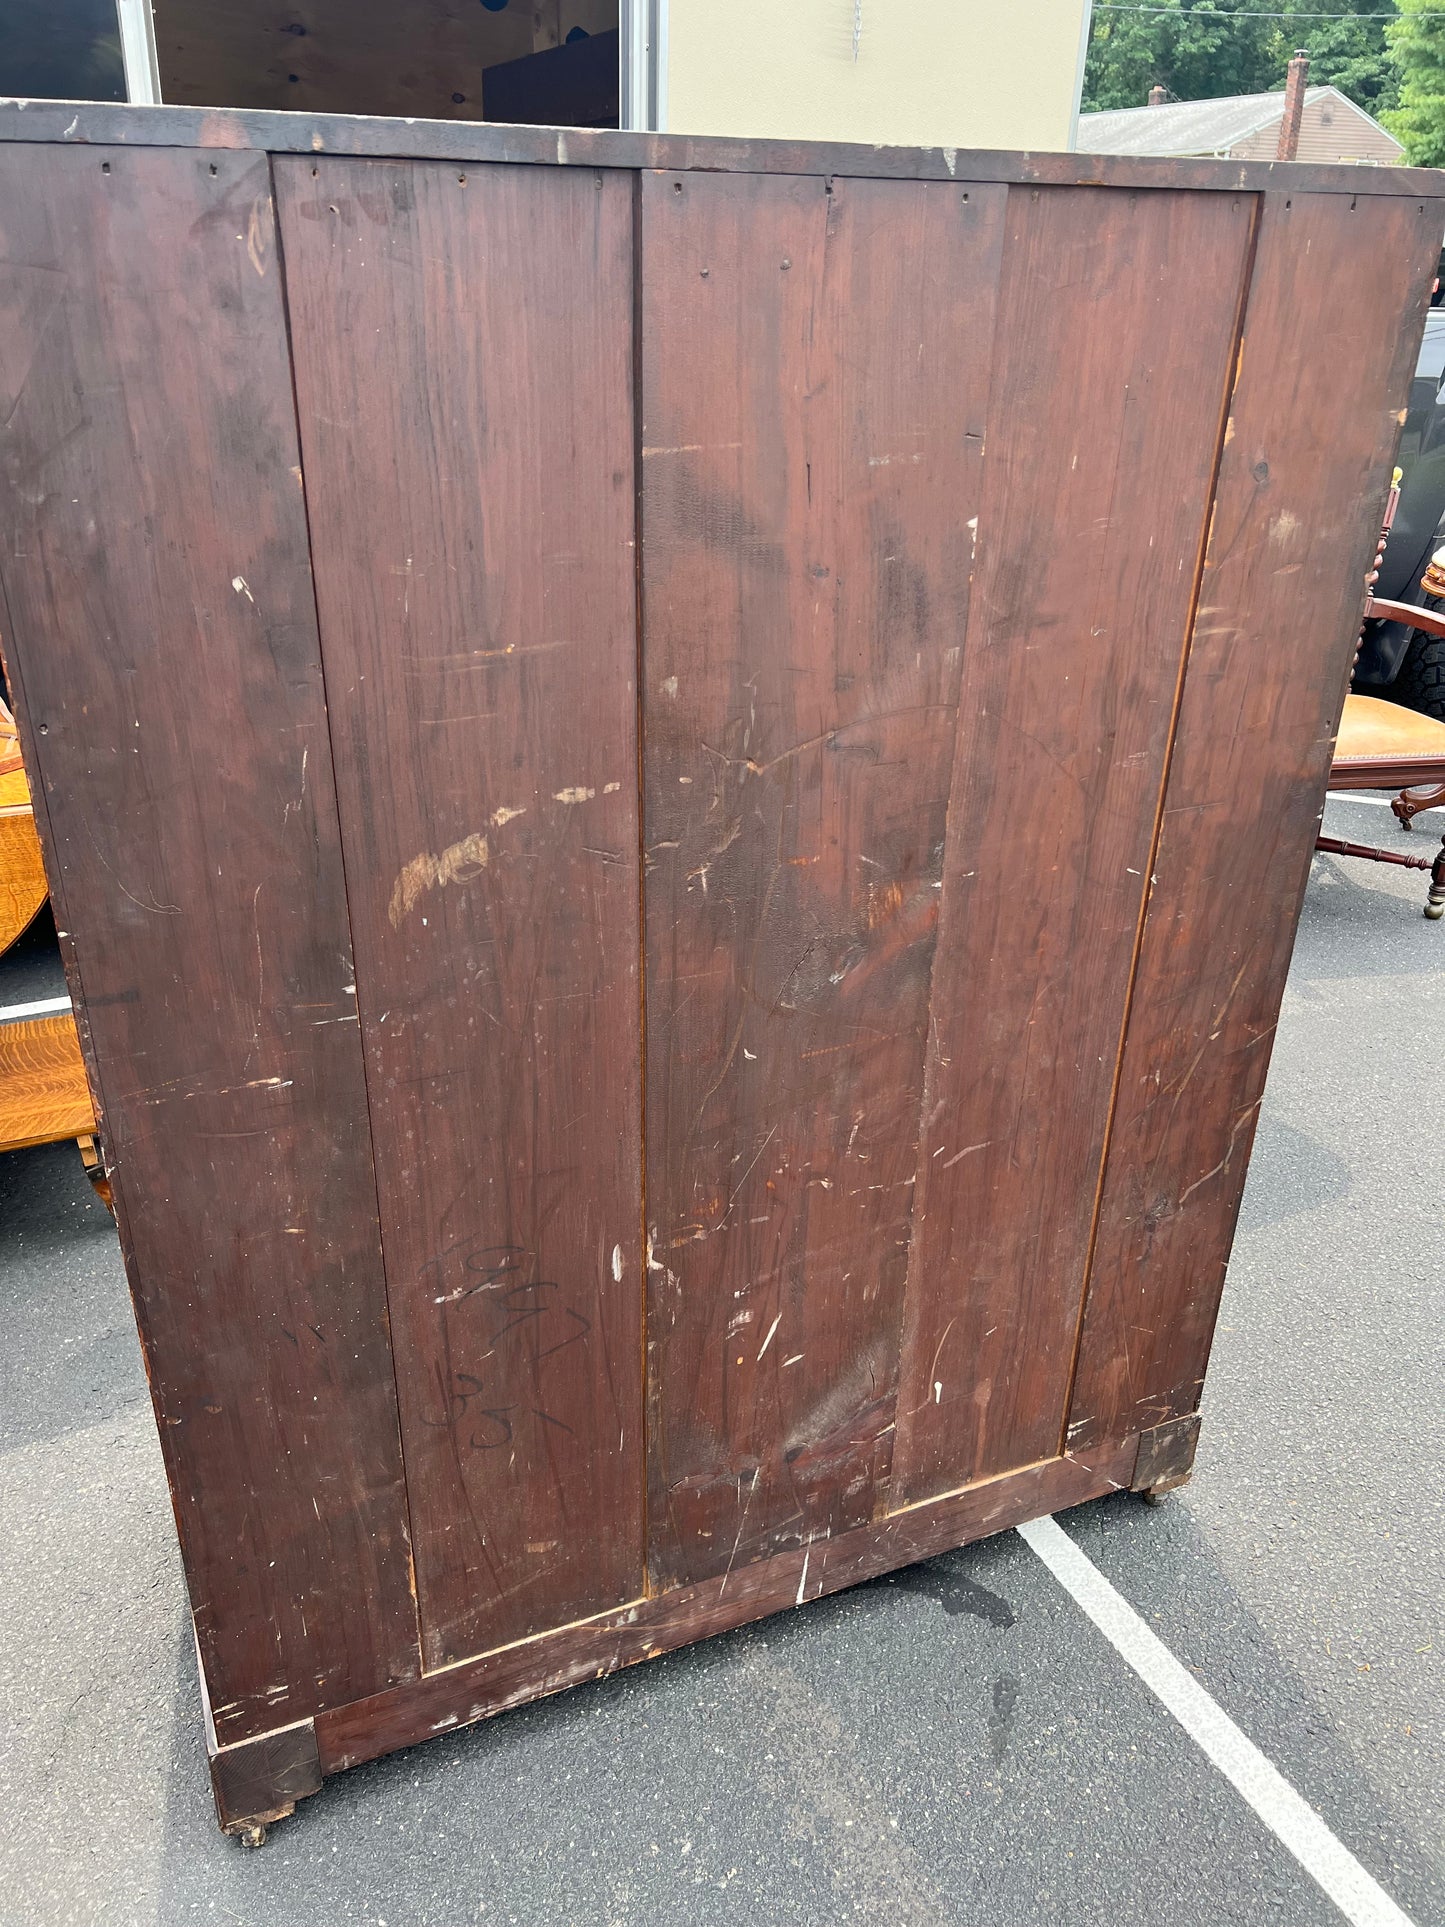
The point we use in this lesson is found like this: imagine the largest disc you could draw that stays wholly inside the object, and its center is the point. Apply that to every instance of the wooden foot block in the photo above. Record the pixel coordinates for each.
(261, 1780)
(1166, 1455)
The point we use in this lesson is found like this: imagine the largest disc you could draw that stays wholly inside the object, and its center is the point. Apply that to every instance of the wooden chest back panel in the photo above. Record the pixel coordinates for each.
(159, 600)
(1097, 494)
(813, 978)
(806, 555)
(463, 345)
(1297, 501)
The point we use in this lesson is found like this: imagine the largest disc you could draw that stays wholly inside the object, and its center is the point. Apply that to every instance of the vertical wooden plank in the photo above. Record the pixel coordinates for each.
(815, 363)
(1096, 495)
(463, 342)
(1301, 492)
(161, 634)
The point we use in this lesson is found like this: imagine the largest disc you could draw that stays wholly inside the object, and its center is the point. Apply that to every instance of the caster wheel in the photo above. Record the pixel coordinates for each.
(1434, 911)
(1152, 1497)
(252, 1836)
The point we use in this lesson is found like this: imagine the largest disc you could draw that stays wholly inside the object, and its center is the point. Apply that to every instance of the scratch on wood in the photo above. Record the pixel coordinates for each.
(458, 863)
(256, 233)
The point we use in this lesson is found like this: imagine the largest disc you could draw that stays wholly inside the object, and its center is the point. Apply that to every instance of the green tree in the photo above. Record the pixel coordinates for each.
(1349, 53)
(1195, 50)
(1417, 42)
(1203, 49)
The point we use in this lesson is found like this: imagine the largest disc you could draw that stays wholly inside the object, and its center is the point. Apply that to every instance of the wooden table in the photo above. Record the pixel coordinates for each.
(43, 1093)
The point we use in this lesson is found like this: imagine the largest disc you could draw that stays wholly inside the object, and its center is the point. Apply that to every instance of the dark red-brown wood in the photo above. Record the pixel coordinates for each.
(553, 1661)
(161, 633)
(806, 512)
(1098, 492)
(363, 135)
(808, 702)
(1270, 658)
(463, 348)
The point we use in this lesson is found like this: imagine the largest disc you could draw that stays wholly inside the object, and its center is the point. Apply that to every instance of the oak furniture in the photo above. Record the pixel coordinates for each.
(44, 1096)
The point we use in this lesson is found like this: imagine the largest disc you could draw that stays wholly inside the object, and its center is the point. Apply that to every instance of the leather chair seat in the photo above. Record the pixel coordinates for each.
(1375, 731)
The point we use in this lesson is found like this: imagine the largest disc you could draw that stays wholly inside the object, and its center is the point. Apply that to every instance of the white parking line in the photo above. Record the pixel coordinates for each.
(33, 1010)
(1292, 1821)
(1375, 802)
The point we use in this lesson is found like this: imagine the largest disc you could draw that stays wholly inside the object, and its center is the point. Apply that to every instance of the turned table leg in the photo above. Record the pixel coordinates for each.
(1435, 902)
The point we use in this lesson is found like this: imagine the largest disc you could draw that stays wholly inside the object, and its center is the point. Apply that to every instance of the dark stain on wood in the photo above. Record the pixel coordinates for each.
(1090, 540)
(806, 514)
(1296, 519)
(649, 1626)
(469, 481)
(813, 980)
(261, 1780)
(163, 644)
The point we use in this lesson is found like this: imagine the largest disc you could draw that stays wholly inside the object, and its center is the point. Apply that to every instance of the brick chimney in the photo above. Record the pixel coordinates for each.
(1294, 106)
(1157, 96)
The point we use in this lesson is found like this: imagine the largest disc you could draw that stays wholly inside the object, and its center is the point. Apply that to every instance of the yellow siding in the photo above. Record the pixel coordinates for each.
(947, 73)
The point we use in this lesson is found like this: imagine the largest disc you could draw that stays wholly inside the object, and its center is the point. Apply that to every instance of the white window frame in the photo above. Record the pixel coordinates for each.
(138, 52)
(1084, 27)
(643, 94)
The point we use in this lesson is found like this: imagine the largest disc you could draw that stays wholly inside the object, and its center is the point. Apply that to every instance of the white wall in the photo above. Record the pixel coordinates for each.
(952, 73)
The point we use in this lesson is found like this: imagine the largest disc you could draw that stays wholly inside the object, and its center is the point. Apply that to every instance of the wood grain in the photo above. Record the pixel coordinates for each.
(460, 1695)
(805, 589)
(43, 1093)
(22, 873)
(463, 365)
(261, 1780)
(964, 880)
(1300, 495)
(1096, 496)
(161, 640)
(285, 133)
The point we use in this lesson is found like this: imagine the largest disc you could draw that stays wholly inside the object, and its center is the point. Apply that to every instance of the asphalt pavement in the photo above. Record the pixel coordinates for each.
(955, 1744)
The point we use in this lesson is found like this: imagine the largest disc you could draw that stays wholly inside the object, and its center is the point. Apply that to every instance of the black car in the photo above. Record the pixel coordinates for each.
(1396, 660)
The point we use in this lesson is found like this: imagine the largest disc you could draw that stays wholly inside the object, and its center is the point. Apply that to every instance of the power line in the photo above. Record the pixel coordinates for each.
(1250, 13)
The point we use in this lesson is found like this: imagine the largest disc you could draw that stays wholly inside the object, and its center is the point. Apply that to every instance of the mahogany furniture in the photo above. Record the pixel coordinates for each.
(1380, 744)
(680, 773)
(1383, 746)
